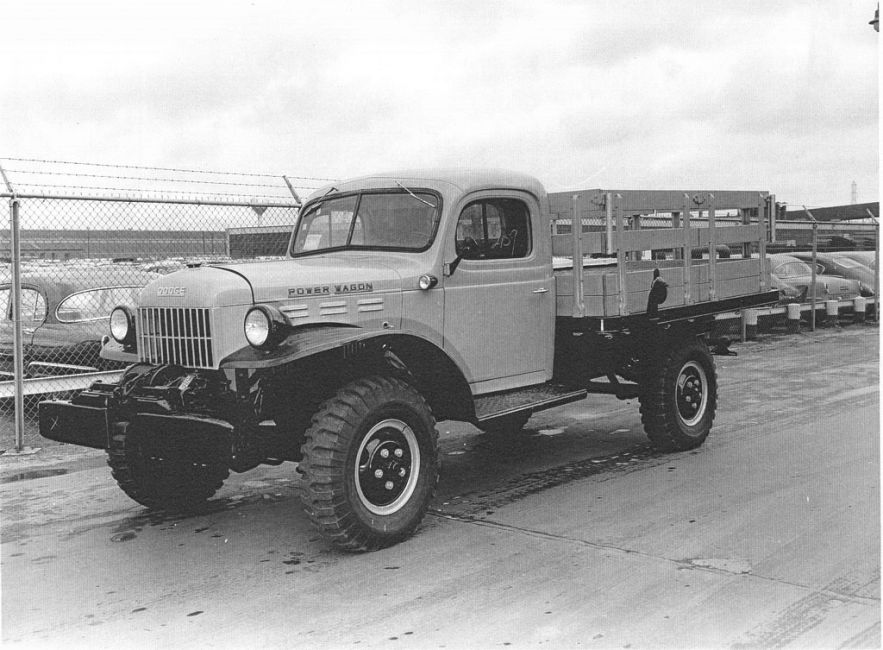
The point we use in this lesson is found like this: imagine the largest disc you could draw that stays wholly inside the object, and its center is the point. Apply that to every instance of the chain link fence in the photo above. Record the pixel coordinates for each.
(85, 238)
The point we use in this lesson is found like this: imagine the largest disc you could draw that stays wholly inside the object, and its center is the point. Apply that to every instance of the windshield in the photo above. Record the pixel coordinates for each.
(387, 220)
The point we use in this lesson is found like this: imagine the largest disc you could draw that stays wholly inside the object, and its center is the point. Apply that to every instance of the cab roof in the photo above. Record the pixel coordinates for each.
(449, 182)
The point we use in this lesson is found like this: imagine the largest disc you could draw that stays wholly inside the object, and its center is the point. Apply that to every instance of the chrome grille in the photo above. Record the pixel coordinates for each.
(175, 335)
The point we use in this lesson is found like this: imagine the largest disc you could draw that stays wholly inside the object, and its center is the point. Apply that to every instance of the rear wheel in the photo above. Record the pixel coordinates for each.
(164, 472)
(370, 464)
(679, 396)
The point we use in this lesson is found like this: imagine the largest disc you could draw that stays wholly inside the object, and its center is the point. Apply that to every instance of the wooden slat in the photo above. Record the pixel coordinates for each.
(646, 201)
(729, 235)
(655, 239)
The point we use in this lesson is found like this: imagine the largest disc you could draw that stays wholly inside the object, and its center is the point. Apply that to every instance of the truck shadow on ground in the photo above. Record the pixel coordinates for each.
(480, 473)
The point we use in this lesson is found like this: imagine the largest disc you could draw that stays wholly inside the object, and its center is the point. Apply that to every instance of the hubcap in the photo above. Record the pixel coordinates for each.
(691, 393)
(388, 467)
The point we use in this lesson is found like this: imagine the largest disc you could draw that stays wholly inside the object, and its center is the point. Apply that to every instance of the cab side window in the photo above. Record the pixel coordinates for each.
(494, 229)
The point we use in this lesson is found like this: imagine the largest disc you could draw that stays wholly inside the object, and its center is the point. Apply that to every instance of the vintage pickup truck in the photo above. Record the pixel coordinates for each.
(408, 298)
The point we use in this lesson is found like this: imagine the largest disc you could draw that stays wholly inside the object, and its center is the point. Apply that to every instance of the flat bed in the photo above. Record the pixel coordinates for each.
(628, 238)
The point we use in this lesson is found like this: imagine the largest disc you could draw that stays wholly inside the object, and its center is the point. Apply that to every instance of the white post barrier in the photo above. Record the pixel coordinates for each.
(793, 317)
(859, 308)
(831, 312)
(749, 317)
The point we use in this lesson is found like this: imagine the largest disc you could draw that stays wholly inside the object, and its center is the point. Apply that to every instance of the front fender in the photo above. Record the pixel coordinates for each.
(438, 377)
(300, 342)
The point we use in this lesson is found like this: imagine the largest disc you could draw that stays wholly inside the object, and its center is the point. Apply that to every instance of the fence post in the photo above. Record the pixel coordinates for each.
(815, 250)
(18, 373)
(876, 267)
(17, 336)
(761, 242)
(291, 189)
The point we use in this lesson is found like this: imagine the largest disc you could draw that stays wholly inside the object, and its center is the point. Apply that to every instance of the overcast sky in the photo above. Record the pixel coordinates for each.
(768, 95)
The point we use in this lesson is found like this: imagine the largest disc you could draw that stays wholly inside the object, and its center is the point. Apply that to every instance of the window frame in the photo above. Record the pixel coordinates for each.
(484, 201)
(439, 208)
(61, 302)
(7, 313)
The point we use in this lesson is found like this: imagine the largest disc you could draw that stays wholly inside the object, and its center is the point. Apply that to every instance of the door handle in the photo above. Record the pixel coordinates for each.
(543, 290)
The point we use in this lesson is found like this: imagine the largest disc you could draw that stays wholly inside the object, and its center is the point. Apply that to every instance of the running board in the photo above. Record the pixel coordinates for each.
(533, 398)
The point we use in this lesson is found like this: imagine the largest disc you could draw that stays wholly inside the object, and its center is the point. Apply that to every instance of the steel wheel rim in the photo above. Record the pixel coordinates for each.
(691, 393)
(387, 467)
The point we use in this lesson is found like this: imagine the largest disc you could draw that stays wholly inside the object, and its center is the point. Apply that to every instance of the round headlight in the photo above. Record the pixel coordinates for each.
(427, 282)
(257, 327)
(122, 326)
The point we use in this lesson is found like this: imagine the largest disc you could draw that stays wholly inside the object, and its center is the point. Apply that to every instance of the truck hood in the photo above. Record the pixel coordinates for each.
(197, 288)
(325, 276)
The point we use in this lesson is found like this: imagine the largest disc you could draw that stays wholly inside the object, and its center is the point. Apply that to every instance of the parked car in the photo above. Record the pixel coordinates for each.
(868, 258)
(793, 277)
(65, 312)
(843, 266)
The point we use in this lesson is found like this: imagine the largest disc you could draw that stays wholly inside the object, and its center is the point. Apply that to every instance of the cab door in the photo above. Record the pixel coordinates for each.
(499, 296)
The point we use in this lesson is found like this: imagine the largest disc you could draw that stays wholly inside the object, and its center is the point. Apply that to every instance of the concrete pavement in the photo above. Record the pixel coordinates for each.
(575, 534)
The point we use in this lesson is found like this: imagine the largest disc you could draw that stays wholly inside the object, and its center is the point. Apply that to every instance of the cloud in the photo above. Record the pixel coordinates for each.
(652, 93)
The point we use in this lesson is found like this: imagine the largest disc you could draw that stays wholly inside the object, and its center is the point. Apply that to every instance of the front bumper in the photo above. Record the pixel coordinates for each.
(63, 421)
(89, 419)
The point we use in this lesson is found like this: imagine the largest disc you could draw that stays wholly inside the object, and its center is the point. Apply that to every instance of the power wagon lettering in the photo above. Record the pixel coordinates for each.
(329, 289)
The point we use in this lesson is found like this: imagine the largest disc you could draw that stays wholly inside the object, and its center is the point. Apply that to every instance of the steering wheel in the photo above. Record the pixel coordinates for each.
(469, 248)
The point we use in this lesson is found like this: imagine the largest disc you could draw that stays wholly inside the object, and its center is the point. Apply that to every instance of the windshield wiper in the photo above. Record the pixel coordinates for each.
(431, 205)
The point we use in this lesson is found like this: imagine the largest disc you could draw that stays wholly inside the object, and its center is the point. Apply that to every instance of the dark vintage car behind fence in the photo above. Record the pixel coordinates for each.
(868, 258)
(843, 265)
(793, 278)
(65, 310)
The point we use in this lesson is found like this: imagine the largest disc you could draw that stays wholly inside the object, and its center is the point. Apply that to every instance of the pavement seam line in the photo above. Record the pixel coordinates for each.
(681, 564)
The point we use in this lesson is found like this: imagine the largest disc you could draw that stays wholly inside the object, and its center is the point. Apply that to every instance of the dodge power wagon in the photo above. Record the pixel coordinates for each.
(408, 298)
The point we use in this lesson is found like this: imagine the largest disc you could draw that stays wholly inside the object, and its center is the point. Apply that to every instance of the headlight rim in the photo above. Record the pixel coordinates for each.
(276, 326)
(128, 339)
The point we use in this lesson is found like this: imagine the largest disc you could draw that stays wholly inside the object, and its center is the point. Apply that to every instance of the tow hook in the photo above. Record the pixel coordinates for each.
(722, 347)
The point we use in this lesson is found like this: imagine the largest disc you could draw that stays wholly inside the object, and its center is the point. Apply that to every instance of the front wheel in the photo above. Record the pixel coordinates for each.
(370, 464)
(679, 396)
(165, 472)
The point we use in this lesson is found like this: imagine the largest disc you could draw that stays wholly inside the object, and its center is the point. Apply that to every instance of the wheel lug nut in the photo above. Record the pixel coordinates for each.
(388, 485)
(399, 453)
(378, 473)
(384, 453)
(402, 472)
